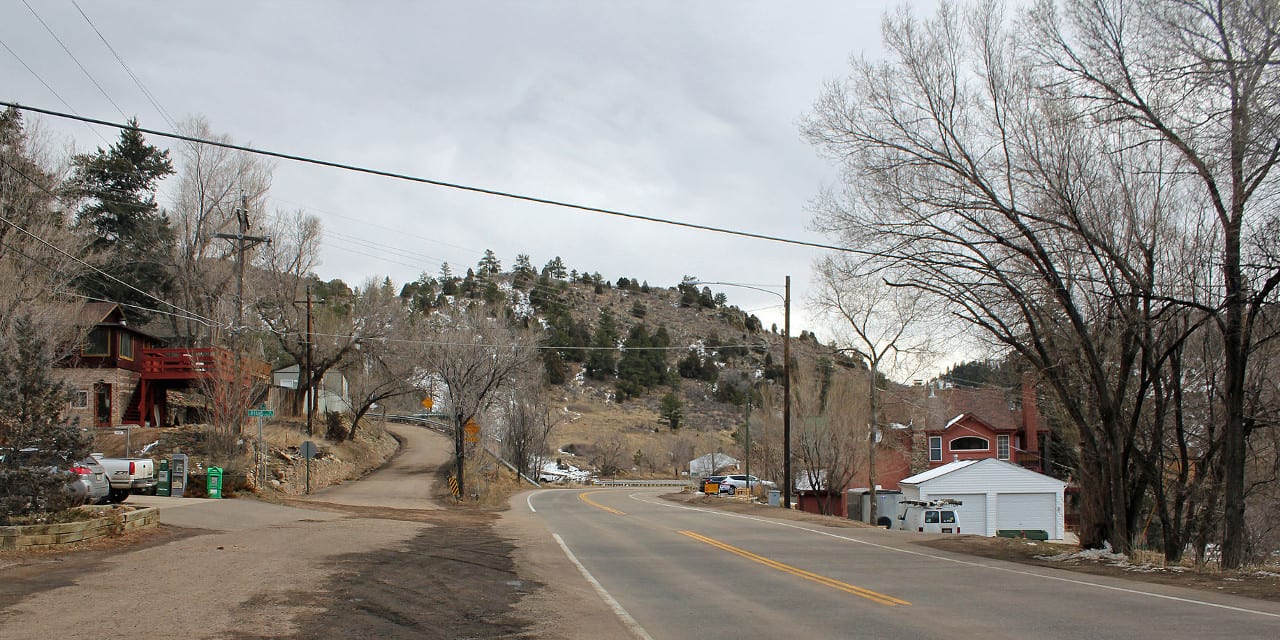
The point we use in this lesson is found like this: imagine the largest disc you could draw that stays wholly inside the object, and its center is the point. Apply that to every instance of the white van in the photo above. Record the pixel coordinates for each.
(932, 516)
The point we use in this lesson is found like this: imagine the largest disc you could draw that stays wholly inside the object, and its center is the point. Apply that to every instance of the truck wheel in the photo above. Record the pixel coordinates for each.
(117, 496)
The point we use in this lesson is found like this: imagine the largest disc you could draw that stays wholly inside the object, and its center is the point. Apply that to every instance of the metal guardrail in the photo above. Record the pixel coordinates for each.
(641, 483)
(431, 423)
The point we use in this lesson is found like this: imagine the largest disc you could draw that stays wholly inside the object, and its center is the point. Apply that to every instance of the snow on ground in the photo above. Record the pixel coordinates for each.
(562, 473)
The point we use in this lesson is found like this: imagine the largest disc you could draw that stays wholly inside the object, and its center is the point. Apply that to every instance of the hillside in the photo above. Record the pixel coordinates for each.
(714, 358)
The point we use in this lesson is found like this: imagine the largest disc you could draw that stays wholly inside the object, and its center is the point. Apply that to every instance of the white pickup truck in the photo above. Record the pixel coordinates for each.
(129, 475)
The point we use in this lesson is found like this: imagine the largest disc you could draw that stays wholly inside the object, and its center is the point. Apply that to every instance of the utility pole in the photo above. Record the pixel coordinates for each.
(311, 384)
(786, 395)
(242, 242)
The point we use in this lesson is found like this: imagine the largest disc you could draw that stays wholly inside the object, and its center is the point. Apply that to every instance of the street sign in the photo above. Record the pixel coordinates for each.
(261, 413)
(472, 431)
(308, 449)
(427, 403)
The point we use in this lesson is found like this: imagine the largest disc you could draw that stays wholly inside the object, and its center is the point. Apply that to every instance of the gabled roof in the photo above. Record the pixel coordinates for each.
(92, 313)
(974, 418)
(926, 476)
(953, 467)
(927, 408)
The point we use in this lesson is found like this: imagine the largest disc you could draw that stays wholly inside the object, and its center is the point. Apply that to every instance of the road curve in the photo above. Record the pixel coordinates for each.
(405, 482)
(679, 571)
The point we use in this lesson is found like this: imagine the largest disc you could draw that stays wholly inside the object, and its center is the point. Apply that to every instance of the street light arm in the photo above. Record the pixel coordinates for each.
(786, 376)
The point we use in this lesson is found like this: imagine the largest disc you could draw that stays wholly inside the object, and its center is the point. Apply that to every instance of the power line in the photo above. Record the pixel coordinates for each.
(50, 88)
(136, 80)
(74, 59)
(19, 228)
(442, 183)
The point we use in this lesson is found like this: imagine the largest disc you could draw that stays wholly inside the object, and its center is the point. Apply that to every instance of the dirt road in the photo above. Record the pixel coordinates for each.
(374, 558)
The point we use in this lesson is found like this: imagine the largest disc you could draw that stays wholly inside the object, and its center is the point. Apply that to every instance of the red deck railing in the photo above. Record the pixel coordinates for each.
(199, 363)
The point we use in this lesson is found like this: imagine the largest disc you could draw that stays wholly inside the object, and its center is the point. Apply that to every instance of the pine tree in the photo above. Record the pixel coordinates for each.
(555, 269)
(31, 402)
(132, 237)
(489, 266)
(601, 361)
(671, 410)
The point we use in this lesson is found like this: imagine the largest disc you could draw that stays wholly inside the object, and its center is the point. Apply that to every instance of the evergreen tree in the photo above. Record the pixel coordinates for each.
(555, 269)
(643, 365)
(557, 373)
(671, 410)
(132, 238)
(602, 361)
(468, 288)
(31, 402)
(523, 274)
(489, 266)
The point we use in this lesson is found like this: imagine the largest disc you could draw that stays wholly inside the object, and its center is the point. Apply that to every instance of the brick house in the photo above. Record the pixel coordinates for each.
(122, 375)
(934, 424)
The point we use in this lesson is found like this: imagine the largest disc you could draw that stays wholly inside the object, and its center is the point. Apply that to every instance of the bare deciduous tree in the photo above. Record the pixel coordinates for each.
(1048, 227)
(889, 327)
(211, 183)
(475, 356)
(384, 368)
(527, 422)
(1202, 78)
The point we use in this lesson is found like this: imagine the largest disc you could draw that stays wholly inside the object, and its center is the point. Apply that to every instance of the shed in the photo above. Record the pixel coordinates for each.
(996, 495)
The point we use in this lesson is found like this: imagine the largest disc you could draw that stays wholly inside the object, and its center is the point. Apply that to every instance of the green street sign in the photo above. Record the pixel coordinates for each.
(261, 413)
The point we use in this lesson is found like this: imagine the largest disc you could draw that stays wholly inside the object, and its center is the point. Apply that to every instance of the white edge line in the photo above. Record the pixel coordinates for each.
(622, 614)
(964, 562)
(529, 501)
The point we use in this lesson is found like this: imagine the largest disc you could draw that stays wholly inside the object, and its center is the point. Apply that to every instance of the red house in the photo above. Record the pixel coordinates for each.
(935, 424)
(122, 375)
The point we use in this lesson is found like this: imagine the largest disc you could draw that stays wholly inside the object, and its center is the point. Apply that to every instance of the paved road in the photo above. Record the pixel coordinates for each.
(683, 572)
(405, 482)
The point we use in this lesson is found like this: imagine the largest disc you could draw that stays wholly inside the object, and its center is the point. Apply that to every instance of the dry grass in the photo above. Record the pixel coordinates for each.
(588, 424)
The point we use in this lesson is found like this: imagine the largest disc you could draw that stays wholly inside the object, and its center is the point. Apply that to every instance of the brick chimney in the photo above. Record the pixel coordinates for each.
(1030, 422)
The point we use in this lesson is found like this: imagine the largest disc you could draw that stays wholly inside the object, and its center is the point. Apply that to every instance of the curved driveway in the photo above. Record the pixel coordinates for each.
(405, 482)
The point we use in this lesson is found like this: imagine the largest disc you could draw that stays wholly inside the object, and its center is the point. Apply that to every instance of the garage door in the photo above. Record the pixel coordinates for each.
(1023, 511)
(972, 514)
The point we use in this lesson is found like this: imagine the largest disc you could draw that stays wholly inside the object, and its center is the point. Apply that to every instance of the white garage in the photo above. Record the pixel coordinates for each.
(996, 495)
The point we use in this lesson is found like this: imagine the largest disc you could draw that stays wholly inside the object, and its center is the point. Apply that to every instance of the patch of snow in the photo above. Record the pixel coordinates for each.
(957, 419)
(149, 447)
(1096, 555)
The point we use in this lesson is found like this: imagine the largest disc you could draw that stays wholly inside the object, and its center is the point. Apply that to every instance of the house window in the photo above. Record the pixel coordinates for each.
(1002, 447)
(935, 449)
(126, 346)
(970, 443)
(79, 399)
(98, 343)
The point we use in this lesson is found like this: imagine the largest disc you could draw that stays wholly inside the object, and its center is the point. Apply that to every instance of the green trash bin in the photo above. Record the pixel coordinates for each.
(214, 482)
(162, 486)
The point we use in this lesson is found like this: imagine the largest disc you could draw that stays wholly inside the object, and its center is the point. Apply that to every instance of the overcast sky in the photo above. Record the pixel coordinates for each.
(682, 110)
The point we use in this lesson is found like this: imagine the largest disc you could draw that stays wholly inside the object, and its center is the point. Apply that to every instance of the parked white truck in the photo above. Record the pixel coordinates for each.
(129, 475)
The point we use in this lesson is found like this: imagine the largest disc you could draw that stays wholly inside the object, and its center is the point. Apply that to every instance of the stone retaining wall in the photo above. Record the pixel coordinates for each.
(114, 521)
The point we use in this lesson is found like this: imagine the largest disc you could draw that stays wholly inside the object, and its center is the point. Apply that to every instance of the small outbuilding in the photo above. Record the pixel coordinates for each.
(996, 496)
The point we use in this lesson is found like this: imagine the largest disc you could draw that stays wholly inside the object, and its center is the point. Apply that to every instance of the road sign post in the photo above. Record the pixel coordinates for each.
(261, 413)
(308, 450)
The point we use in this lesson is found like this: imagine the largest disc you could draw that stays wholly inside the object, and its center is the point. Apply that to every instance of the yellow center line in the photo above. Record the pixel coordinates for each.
(785, 568)
(583, 497)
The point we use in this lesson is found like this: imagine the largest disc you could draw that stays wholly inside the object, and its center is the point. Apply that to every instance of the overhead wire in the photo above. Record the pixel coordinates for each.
(136, 80)
(442, 183)
(53, 91)
(75, 59)
(194, 316)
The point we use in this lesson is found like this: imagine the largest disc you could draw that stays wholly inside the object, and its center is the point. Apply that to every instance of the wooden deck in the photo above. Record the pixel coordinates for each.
(203, 363)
